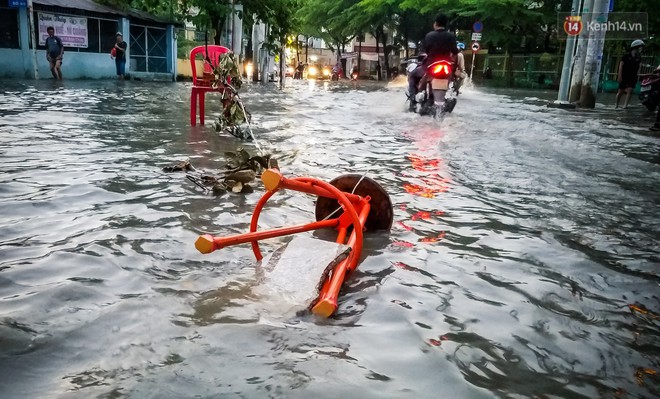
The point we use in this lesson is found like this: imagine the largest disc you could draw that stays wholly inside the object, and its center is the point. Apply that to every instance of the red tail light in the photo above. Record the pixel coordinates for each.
(440, 69)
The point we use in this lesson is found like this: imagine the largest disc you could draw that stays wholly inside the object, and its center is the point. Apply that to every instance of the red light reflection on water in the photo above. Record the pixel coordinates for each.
(426, 215)
(401, 265)
(438, 342)
(423, 215)
(425, 169)
(403, 244)
(436, 182)
(426, 192)
(432, 239)
(423, 164)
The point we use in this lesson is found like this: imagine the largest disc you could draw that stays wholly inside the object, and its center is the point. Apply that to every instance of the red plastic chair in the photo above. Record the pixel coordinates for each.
(203, 85)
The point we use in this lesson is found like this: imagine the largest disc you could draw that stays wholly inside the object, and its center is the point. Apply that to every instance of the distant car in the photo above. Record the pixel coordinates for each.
(318, 72)
(274, 76)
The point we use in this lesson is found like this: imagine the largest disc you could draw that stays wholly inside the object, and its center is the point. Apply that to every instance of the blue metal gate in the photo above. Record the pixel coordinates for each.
(148, 49)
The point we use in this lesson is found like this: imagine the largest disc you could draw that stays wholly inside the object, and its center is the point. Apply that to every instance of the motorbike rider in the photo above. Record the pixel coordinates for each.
(459, 73)
(438, 44)
(415, 72)
(337, 70)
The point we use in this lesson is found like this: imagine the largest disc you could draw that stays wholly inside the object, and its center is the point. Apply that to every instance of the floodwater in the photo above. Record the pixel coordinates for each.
(523, 259)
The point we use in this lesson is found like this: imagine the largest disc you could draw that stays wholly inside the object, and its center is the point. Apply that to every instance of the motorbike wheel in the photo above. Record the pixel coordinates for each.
(440, 105)
(449, 105)
(427, 105)
(650, 100)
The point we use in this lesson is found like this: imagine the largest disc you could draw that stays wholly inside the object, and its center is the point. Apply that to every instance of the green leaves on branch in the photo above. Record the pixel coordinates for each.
(227, 72)
(234, 115)
(332, 21)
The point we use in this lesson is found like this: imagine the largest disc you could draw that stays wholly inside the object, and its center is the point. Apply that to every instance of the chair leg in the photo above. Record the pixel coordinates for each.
(202, 96)
(193, 107)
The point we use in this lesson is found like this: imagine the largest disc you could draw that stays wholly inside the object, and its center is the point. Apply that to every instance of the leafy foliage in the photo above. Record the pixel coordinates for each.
(335, 22)
(234, 115)
(168, 9)
(227, 73)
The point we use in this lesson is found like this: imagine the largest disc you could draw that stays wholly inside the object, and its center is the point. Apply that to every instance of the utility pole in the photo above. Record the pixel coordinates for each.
(580, 54)
(594, 58)
(33, 34)
(257, 41)
(265, 56)
(564, 82)
(360, 39)
(281, 66)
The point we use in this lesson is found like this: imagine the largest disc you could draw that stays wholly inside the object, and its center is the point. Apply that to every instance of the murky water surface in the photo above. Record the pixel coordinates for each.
(523, 260)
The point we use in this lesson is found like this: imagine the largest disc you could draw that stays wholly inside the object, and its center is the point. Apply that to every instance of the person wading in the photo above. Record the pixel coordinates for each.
(120, 60)
(54, 53)
(628, 72)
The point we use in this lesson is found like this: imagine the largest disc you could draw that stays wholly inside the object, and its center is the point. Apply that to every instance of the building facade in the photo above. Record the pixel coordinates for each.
(88, 31)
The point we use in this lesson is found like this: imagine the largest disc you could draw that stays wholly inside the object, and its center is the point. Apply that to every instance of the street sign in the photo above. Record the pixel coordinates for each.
(18, 3)
(475, 47)
(476, 37)
(478, 26)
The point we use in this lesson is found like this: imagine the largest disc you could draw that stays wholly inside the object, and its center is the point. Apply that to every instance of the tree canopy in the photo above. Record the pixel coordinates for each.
(512, 25)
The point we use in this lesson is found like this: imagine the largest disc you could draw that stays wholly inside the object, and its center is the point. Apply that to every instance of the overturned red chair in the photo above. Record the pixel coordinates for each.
(211, 55)
(351, 202)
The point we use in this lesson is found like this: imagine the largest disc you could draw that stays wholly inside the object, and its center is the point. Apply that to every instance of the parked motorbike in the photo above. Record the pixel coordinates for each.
(650, 92)
(435, 98)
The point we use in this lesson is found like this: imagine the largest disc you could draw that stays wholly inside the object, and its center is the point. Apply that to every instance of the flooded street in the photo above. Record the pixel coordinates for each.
(523, 259)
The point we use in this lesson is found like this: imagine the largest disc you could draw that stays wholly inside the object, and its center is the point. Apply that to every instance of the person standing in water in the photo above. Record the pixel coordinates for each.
(628, 72)
(54, 53)
(120, 56)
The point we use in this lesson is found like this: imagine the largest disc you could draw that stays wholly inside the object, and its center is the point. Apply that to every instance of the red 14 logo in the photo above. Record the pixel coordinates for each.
(573, 25)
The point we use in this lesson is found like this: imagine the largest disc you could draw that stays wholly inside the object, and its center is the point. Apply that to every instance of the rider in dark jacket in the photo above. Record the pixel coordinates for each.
(438, 44)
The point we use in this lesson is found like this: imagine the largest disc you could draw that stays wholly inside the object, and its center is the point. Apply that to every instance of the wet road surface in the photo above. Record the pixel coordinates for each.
(523, 260)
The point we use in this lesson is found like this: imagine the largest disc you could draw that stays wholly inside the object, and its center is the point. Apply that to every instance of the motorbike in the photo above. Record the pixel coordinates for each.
(354, 75)
(650, 92)
(436, 96)
(335, 75)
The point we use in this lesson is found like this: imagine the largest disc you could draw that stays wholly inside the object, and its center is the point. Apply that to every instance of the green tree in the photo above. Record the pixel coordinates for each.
(381, 18)
(168, 9)
(646, 6)
(412, 27)
(332, 21)
(284, 21)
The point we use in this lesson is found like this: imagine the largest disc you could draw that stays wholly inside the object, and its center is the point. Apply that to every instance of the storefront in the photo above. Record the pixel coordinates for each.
(88, 31)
